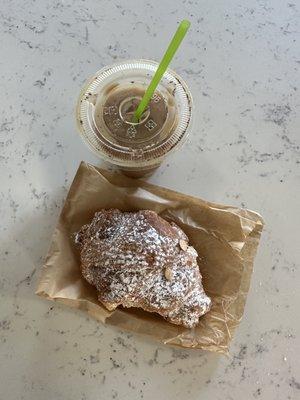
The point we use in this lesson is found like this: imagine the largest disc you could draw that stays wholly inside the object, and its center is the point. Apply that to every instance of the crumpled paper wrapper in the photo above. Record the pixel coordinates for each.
(225, 237)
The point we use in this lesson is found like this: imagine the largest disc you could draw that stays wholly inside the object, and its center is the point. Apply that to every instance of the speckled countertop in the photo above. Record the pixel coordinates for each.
(241, 60)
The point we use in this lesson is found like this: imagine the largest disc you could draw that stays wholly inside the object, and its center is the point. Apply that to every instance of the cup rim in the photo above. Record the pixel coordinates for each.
(149, 159)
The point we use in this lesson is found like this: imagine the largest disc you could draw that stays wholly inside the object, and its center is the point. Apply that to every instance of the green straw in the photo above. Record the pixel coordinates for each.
(169, 54)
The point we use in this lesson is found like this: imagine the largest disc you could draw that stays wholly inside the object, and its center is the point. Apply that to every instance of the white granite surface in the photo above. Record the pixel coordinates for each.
(241, 60)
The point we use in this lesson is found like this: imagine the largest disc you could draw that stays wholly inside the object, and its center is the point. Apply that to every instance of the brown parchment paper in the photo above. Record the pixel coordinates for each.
(226, 239)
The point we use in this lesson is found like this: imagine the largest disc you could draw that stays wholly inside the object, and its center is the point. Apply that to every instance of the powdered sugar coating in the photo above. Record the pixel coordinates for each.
(136, 259)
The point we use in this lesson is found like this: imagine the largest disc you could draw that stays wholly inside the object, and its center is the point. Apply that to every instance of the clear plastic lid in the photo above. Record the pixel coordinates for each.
(105, 109)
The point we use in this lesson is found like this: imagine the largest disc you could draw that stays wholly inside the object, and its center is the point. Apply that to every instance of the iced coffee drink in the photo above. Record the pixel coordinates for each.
(105, 116)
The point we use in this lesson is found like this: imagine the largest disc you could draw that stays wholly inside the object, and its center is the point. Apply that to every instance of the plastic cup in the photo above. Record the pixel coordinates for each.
(105, 113)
